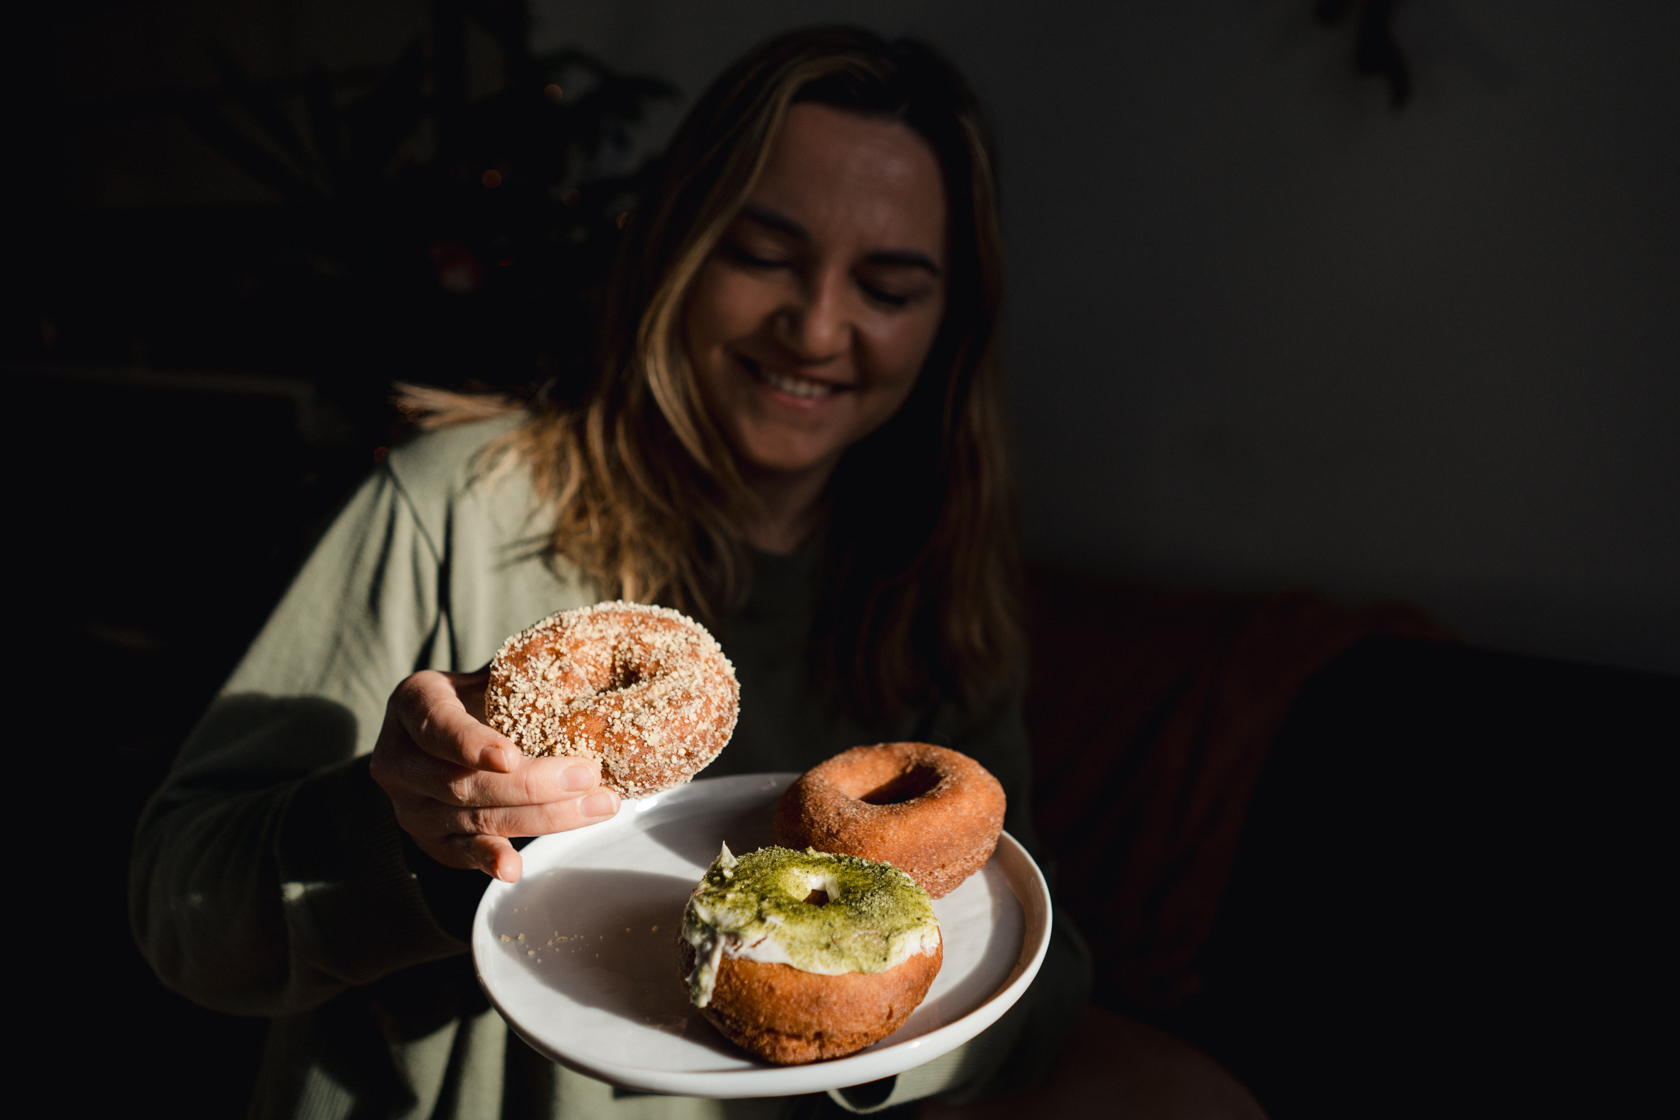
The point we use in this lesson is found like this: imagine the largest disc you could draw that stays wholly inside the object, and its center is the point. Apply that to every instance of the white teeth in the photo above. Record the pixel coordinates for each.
(793, 386)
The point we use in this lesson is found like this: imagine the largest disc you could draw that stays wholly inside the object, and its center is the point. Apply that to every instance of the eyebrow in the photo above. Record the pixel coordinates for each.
(781, 223)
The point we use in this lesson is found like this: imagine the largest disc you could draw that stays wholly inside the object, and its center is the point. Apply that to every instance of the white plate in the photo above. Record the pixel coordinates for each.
(579, 956)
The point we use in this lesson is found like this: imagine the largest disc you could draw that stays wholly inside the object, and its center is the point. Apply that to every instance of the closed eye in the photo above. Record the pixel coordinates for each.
(896, 279)
(746, 259)
(887, 298)
(895, 289)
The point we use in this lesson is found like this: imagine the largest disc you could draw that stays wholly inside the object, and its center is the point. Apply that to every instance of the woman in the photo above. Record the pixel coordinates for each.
(795, 435)
(777, 307)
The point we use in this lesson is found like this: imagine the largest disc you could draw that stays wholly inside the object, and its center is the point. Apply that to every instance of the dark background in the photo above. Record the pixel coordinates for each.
(1285, 311)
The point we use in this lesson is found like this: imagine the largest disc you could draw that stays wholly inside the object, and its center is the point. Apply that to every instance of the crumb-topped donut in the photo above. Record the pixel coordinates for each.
(645, 691)
(801, 956)
(930, 810)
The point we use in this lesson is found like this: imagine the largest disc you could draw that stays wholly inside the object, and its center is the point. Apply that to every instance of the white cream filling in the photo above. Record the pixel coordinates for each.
(770, 950)
(702, 930)
(711, 945)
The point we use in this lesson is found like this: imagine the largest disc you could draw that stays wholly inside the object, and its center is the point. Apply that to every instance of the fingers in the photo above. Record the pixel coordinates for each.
(478, 839)
(460, 789)
(432, 709)
(506, 864)
(492, 855)
(533, 781)
(439, 819)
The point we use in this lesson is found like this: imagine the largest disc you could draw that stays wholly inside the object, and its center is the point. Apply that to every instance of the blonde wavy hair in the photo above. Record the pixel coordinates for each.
(919, 568)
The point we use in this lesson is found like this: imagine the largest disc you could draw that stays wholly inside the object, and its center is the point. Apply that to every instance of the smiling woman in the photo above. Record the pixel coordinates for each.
(798, 355)
(795, 433)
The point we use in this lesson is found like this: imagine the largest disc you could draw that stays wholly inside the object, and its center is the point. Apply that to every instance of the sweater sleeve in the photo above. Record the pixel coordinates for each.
(268, 871)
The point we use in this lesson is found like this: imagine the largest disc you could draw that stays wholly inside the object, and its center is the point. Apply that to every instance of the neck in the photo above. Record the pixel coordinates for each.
(790, 509)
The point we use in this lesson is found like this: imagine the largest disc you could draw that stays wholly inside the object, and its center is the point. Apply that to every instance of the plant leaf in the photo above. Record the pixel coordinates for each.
(256, 160)
(265, 110)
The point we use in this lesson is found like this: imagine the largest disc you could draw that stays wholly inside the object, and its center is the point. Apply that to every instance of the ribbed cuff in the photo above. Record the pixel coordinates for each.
(452, 895)
(355, 909)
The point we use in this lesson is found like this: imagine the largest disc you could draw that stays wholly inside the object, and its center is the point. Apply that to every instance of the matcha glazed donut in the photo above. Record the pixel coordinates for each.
(801, 956)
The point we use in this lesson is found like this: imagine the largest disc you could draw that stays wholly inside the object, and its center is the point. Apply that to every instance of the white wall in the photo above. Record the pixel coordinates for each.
(1265, 331)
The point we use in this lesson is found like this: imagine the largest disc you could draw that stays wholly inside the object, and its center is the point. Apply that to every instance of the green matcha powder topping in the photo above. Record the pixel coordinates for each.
(821, 913)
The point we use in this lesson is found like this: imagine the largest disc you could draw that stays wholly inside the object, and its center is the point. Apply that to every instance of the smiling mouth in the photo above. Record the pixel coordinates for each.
(791, 384)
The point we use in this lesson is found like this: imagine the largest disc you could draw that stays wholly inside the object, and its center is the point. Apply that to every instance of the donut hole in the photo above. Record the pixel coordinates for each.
(815, 889)
(627, 670)
(622, 678)
(906, 785)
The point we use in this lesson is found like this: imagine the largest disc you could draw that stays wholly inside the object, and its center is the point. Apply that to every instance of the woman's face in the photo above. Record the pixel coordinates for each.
(810, 321)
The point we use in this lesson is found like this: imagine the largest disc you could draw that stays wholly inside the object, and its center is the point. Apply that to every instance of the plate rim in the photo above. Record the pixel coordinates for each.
(882, 1060)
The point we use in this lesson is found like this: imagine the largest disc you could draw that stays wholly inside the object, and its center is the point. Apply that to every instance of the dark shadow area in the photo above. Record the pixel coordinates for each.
(416, 233)
(160, 525)
(200, 386)
(1450, 887)
(1373, 872)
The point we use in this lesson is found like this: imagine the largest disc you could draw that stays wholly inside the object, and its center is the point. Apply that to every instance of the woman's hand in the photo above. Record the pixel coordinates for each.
(460, 789)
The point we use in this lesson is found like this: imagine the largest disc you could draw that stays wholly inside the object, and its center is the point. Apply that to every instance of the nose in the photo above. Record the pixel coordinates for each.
(816, 325)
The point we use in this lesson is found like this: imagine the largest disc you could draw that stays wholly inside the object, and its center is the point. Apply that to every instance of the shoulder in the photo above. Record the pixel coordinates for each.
(450, 459)
(437, 471)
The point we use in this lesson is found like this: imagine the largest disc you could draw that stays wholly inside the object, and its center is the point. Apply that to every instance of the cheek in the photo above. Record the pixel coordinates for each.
(902, 348)
(705, 324)
(723, 307)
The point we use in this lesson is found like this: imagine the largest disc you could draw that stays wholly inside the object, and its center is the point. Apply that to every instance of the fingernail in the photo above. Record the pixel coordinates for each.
(578, 778)
(499, 759)
(603, 804)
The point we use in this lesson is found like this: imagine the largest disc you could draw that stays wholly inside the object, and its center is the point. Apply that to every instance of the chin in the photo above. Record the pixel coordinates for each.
(790, 459)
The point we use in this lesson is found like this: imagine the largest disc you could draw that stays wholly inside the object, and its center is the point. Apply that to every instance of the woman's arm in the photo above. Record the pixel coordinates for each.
(271, 871)
(268, 871)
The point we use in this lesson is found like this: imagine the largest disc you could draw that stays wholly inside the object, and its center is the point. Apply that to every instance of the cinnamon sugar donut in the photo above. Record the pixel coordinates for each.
(645, 691)
(801, 956)
(934, 812)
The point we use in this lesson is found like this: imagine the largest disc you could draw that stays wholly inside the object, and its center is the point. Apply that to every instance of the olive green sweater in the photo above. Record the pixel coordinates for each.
(269, 875)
